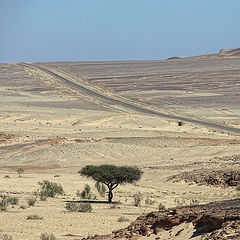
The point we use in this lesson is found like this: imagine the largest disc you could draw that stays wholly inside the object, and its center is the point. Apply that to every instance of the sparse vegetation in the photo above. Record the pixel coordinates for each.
(137, 198)
(111, 176)
(4, 203)
(5, 237)
(31, 201)
(34, 217)
(86, 193)
(23, 206)
(45, 236)
(101, 189)
(20, 171)
(194, 202)
(13, 200)
(78, 207)
(50, 189)
(122, 219)
(149, 201)
(161, 206)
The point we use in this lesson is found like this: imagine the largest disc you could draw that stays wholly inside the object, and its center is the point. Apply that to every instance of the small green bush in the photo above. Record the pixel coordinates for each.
(13, 200)
(4, 203)
(123, 219)
(42, 196)
(31, 201)
(137, 198)
(22, 206)
(194, 202)
(45, 236)
(78, 207)
(86, 193)
(149, 201)
(34, 217)
(50, 189)
(5, 237)
(101, 189)
(20, 171)
(161, 206)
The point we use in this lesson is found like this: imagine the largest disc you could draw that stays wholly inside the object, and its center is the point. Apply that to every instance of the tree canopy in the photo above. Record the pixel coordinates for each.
(111, 175)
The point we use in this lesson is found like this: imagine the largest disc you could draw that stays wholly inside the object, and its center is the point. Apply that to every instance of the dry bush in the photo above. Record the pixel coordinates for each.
(137, 199)
(101, 189)
(4, 202)
(86, 193)
(45, 236)
(50, 189)
(5, 237)
(161, 206)
(78, 207)
(122, 219)
(34, 217)
(31, 201)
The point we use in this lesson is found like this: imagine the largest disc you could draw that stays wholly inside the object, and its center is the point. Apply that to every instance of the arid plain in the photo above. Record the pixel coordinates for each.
(123, 113)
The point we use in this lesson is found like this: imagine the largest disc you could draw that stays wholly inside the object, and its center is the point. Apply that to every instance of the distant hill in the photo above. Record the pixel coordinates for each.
(229, 52)
(223, 53)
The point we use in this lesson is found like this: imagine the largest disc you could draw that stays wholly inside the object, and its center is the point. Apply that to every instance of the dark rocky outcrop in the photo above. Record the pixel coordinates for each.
(220, 220)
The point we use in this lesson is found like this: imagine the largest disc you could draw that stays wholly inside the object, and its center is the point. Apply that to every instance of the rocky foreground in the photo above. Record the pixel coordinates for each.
(219, 220)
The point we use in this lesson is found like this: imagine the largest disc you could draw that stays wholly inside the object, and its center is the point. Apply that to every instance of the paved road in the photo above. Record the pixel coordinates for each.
(131, 106)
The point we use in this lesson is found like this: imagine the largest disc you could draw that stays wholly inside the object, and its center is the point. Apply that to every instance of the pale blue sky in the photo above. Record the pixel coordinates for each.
(83, 30)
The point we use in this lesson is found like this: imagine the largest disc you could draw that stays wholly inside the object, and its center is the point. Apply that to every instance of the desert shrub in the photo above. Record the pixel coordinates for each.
(149, 201)
(161, 206)
(137, 199)
(113, 206)
(22, 206)
(101, 189)
(45, 236)
(31, 201)
(180, 202)
(13, 200)
(50, 189)
(4, 202)
(20, 171)
(122, 219)
(34, 217)
(194, 202)
(42, 197)
(86, 193)
(7, 176)
(78, 207)
(5, 237)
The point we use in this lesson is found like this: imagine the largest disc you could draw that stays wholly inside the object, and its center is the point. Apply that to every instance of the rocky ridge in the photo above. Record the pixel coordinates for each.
(218, 177)
(220, 220)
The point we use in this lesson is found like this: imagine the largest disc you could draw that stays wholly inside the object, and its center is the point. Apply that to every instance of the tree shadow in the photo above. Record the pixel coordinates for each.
(92, 201)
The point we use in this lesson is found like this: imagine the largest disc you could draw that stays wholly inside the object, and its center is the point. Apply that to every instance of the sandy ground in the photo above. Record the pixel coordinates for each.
(49, 129)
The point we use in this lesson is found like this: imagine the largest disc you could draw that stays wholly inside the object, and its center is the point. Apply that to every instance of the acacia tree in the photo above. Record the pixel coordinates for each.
(111, 175)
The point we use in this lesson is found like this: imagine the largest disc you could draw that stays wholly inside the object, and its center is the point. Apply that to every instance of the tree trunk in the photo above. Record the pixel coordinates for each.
(110, 194)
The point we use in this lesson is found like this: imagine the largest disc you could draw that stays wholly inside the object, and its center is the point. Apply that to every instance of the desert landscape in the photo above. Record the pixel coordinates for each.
(178, 120)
